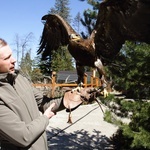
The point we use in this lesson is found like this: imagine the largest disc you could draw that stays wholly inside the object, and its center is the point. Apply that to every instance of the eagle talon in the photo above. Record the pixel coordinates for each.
(103, 91)
(78, 88)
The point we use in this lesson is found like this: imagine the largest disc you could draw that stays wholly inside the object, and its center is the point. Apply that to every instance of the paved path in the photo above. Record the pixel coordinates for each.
(89, 131)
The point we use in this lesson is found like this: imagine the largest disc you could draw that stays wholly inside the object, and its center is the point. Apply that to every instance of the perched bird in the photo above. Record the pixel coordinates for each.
(58, 32)
(118, 21)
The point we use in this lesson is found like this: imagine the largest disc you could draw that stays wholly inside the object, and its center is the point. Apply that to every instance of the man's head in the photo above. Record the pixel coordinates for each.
(7, 62)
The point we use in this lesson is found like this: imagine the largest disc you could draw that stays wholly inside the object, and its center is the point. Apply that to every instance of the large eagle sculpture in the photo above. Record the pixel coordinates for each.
(57, 32)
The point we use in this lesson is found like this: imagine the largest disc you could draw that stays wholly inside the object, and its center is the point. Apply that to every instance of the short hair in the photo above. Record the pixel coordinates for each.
(2, 42)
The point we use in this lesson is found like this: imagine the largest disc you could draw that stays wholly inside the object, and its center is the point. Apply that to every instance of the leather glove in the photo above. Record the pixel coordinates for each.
(73, 99)
(88, 94)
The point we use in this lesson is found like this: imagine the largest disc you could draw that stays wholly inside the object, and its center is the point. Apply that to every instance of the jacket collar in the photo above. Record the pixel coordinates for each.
(8, 77)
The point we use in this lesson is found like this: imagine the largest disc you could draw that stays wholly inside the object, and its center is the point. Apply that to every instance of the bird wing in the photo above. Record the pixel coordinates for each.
(118, 21)
(55, 33)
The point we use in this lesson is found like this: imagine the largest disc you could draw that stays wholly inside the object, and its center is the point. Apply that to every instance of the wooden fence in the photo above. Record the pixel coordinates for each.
(94, 82)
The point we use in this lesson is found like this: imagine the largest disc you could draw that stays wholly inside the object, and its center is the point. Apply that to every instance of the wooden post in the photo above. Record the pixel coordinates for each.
(94, 78)
(94, 73)
(96, 82)
(91, 81)
(85, 80)
(53, 83)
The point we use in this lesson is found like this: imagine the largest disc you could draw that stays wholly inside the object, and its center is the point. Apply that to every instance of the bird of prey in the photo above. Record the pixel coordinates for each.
(118, 21)
(57, 32)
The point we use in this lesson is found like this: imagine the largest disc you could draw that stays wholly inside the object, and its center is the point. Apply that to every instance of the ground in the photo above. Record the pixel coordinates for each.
(89, 131)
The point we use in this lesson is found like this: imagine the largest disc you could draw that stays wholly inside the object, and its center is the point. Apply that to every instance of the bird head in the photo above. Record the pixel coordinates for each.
(74, 37)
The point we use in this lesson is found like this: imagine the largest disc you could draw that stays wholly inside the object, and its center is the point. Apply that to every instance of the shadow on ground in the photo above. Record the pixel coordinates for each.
(80, 139)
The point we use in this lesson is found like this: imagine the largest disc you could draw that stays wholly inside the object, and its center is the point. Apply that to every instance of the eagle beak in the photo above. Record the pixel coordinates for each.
(74, 37)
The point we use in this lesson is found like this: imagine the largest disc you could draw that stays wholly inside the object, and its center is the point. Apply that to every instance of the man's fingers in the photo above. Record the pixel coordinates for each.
(52, 105)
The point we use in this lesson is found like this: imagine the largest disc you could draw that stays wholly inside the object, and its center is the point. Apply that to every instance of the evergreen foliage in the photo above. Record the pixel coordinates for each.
(59, 59)
(134, 135)
(26, 65)
(62, 60)
(62, 8)
(77, 22)
(132, 71)
(90, 17)
(30, 69)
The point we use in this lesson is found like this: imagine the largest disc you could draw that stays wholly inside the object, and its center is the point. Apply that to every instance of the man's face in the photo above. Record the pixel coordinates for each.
(7, 62)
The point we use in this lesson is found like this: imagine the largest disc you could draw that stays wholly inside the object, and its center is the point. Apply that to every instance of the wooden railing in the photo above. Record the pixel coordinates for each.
(94, 82)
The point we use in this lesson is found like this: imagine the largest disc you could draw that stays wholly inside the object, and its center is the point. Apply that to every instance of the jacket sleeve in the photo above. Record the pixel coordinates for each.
(44, 102)
(48, 101)
(16, 131)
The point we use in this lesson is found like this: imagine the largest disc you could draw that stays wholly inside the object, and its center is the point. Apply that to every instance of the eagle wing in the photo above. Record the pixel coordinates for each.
(56, 33)
(118, 21)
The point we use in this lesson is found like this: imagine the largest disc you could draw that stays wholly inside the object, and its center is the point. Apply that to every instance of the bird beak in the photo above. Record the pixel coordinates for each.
(74, 37)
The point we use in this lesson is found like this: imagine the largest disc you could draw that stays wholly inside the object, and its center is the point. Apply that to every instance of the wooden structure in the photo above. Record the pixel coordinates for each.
(94, 82)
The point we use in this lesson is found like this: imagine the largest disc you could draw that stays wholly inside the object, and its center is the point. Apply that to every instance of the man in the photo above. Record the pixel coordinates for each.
(22, 127)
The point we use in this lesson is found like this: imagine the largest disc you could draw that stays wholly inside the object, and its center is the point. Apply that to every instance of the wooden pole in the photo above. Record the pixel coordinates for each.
(53, 83)
(85, 80)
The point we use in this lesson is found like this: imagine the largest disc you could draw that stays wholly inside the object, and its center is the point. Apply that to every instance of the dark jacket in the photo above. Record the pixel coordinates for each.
(21, 125)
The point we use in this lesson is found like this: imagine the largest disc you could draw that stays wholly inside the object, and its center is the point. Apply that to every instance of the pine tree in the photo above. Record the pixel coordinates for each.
(62, 8)
(90, 17)
(132, 71)
(26, 65)
(77, 22)
(59, 59)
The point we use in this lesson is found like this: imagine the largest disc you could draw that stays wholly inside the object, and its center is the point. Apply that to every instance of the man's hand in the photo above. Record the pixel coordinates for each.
(48, 112)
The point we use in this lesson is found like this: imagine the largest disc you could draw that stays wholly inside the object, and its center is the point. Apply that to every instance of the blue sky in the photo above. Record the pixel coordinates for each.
(24, 16)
